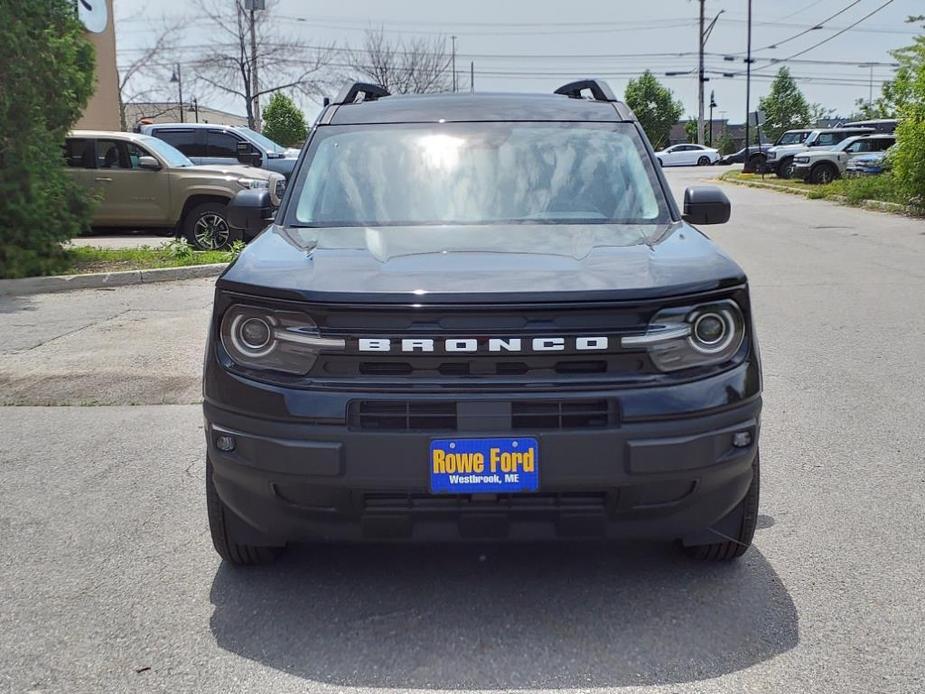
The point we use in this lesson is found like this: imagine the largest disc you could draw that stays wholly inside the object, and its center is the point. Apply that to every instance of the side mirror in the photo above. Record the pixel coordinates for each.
(248, 155)
(706, 205)
(250, 211)
(149, 162)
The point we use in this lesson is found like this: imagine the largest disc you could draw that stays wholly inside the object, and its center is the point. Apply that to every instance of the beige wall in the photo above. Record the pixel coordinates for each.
(102, 113)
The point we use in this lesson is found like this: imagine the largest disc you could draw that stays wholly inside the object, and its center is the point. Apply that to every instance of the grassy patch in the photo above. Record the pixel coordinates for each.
(84, 259)
(853, 191)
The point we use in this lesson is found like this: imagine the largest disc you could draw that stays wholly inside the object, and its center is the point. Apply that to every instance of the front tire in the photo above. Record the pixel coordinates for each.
(735, 545)
(822, 174)
(224, 538)
(206, 227)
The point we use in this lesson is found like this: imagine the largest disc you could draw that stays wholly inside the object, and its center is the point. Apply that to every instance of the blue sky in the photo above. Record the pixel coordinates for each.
(536, 45)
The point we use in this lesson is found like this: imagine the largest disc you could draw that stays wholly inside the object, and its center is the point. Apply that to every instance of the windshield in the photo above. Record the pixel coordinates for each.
(167, 152)
(478, 173)
(792, 138)
(263, 141)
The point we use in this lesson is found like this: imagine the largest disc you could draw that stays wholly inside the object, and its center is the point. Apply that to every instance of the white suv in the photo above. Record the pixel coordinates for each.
(824, 166)
(780, 158)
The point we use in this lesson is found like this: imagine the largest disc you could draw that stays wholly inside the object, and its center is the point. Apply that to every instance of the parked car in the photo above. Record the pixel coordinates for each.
(825, 165)
(687, 155)
(144, 183)
(207, 143)
(757, 155)
(886, 126)
(780, 157)
(481, 316)
(868, 164)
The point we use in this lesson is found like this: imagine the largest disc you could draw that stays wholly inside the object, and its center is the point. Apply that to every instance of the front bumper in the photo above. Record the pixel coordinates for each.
(802, 170)
(655, 476)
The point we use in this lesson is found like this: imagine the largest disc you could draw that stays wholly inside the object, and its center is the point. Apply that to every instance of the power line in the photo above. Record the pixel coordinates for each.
(833, 36)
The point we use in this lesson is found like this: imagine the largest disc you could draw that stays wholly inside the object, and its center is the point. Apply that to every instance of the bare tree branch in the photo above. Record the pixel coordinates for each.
(403, 66)
(149, 66)
(281, 62)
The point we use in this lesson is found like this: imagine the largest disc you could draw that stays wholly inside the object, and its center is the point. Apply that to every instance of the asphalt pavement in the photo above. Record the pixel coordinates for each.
(108, 582)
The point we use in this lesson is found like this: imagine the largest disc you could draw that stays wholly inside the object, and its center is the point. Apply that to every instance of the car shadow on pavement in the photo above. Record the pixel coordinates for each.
(503, 617)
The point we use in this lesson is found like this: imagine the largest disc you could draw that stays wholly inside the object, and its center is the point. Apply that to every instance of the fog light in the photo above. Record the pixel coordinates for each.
(742, 439)
(224, 443)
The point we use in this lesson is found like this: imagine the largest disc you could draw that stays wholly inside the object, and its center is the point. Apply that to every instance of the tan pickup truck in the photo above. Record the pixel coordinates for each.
(143, 182)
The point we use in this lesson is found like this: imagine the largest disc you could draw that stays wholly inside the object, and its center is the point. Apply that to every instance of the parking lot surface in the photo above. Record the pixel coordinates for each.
(109, 582)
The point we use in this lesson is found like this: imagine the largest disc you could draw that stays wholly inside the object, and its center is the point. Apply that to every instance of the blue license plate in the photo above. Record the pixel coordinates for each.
(480, 466)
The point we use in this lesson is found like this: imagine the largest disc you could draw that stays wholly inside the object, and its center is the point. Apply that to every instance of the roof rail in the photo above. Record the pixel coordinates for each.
(350, 92)
(599, 89)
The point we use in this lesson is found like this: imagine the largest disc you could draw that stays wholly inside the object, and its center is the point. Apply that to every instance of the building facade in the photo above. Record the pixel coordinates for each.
(102, 113)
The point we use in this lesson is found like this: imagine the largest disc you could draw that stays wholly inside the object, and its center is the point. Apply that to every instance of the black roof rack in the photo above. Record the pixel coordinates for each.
(350, 92)
(599, 89)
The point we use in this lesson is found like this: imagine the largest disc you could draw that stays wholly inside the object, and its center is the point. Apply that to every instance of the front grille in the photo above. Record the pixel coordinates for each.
(524, 415)
(403, 415)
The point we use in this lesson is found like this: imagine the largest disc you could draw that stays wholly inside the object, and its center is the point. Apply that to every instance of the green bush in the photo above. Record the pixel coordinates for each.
(909, 156)
(283, 122)
(46, 73)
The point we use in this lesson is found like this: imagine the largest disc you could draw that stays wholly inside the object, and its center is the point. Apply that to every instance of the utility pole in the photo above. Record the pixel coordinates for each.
(472, 76)
(700, 77)
(748, 81)
(253, 6)
(454, 61)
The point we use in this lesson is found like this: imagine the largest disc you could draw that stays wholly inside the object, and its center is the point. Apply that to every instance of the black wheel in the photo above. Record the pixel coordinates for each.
(785, 168)
(223, 536)
(735, 545)
(206, 227)
(823, 173)
(703, 161)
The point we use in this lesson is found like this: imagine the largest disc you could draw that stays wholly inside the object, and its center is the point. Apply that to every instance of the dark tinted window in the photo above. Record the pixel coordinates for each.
(78, 153)
(187, 141)
(112, 154)
(222, 144)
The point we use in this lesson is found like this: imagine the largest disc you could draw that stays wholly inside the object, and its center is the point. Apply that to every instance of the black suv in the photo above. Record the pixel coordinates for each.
(481, 316)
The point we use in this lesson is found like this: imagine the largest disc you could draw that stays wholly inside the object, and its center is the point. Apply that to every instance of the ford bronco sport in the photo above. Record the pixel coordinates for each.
(481, 316)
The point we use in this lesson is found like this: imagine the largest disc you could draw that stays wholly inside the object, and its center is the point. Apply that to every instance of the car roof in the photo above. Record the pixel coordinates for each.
(113, 134)
(466, 106)
(214, 126)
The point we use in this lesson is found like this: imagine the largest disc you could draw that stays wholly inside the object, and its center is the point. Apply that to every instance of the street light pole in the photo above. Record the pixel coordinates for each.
(712, 106)
(454, 61)
(253, 6)
(177, 77)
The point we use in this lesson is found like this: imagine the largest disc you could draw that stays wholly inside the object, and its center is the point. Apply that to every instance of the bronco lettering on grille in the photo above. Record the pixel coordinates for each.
(495, 344)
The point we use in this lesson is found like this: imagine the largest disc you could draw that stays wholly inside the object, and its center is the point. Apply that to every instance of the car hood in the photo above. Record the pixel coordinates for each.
(521, 262)
(236, 170)
(787, 149)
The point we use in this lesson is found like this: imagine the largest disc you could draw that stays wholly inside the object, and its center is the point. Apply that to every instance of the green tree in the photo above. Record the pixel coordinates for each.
(909, 159)
(725, 144)
(895, 93)
(784, 107)
(654, 106)
(690, 130)
(283, 122)
(46, 70)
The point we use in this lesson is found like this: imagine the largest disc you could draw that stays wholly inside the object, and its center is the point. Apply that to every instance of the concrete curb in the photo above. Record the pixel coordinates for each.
(876, 205)
(97, 280)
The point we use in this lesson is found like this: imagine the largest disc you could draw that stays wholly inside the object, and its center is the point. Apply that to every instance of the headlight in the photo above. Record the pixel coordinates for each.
(801, 160)
(681, 338)
(772, 155)
(285, 341)
(252, 183)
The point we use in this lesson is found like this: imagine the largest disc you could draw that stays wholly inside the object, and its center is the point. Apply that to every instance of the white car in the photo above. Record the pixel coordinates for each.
(688, 155)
